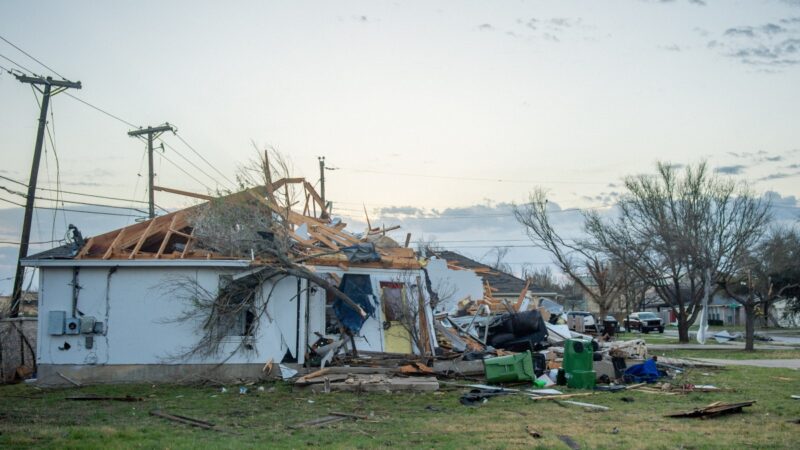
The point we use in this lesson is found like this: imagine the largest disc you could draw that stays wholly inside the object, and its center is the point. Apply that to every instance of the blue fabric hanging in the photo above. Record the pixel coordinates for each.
(359, 289)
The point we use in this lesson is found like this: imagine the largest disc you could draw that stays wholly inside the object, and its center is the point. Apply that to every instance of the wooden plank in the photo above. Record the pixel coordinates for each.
(166, 237)
(521, 298)
(142, 239)
(110, 249)
(424, 333)
(184, 193)
(189, 243)
(86, 247)
(317, 199)
(323, 239)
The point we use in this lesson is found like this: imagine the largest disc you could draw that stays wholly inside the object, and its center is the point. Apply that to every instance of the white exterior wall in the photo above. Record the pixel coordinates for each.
(453, 285)
(139, 314)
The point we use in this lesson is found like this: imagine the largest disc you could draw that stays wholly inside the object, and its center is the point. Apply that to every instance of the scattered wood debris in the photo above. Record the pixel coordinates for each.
(532, 432)
(713, 410)
(126, 398)
(569, 442)
(332, 418)
(185, 420)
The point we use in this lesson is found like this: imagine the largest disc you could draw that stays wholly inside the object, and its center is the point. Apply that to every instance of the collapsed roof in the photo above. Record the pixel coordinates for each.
(314, 237)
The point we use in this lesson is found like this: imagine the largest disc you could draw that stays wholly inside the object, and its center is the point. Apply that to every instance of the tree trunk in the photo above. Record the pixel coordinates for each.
(683, 328)
(749, 325)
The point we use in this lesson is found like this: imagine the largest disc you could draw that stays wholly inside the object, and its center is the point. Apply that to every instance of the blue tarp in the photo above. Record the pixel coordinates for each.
(646, 372)
(359, 289)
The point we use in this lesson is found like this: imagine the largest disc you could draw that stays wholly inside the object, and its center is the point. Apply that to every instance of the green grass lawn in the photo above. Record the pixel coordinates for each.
(650, 338)
(793, 353)
(30, 417)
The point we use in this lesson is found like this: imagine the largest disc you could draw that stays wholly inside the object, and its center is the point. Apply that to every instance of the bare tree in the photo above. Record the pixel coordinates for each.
(495, 258)
(680, 232)
(587, 267)
(542, 277)
(250, 224)
(767, 273)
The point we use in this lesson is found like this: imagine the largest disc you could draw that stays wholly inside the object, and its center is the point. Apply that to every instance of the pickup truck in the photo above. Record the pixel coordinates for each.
(644, 322)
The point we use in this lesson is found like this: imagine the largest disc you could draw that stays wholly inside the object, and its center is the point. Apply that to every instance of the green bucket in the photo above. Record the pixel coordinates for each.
(506, 369)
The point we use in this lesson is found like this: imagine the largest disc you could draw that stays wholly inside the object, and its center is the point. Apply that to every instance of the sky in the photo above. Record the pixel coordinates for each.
(435, 115)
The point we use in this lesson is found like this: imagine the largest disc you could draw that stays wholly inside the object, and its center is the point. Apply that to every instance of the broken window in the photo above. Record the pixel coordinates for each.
(393, 301)
(237, 316)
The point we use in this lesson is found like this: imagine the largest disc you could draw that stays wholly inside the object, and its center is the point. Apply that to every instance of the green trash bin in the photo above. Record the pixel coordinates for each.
(506, 369)
(579, 364)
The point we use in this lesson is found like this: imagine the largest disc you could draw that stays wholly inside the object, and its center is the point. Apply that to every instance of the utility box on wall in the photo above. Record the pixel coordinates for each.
(72, 326)
(55, 322)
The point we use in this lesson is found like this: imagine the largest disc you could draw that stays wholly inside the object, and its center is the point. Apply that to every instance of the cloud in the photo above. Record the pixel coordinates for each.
(405, 210)
(693, 2)
(553, 29)
(784, 208)
(731, 170)
(485, 27)
(778, 176)
(670, 48)
(740, 31)
(768, 45)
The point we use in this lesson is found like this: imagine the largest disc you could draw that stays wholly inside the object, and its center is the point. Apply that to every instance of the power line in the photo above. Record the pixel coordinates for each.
(82, 193)
(31, 57)
(185, 172)
(205, 160)
(68, 210)
(15, 63)
(189, 161)
(102, 111)
(74, 202)
(448, 177)
(31, 243)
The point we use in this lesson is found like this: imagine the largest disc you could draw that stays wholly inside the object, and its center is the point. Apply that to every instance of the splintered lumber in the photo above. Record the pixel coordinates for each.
(561, 397)
(379, 383)
(316, 377)
(713, 410)
(586, 405)
(319, 422)
(184, 420)
(127, 398)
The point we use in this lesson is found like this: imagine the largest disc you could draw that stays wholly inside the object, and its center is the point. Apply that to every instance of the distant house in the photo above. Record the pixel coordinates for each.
(463, 277)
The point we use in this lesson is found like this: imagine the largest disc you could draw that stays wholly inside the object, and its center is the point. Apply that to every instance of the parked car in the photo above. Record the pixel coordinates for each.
(644, 322)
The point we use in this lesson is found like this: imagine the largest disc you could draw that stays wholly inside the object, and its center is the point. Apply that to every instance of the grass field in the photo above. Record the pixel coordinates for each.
(789, 353)
(30, 417)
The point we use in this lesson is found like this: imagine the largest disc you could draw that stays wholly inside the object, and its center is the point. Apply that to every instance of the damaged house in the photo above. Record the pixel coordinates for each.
(221, 289)
(458, 277)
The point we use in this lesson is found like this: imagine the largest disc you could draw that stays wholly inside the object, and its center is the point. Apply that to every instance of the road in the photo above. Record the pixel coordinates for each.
(775, 363)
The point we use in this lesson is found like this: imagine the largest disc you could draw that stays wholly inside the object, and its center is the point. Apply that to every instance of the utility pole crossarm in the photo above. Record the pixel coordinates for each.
(151, 130)
(49, 81)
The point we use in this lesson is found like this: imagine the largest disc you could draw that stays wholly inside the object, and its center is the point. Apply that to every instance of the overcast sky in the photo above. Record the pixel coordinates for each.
(422, 106)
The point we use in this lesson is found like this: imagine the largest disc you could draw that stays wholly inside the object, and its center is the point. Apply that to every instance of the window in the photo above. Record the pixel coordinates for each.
(240, 320)
(393, 301)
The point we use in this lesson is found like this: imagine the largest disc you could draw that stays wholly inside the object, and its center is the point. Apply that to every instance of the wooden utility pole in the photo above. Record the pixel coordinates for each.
(322, 179)
(49, 85)
(151, 133)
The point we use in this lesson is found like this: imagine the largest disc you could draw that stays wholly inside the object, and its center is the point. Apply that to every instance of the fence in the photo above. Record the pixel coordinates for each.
(17, 347)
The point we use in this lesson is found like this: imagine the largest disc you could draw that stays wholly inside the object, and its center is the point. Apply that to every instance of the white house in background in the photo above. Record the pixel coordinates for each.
(106, 313)
(457, 277)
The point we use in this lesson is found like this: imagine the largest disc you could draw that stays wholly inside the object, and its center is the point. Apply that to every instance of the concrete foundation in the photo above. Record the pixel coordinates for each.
(52, 375)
